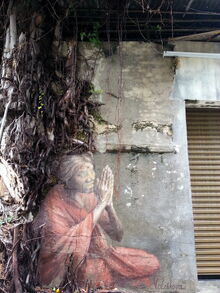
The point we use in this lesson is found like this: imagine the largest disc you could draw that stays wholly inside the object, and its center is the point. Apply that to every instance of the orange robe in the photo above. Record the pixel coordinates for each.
(71, 243)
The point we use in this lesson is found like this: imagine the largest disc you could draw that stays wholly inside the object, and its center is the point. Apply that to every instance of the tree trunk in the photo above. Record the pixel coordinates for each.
(45, 113)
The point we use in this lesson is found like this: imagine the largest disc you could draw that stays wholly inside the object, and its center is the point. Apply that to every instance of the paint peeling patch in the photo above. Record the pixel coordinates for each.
(165, 129)
(128, 191)
(102, 126)
(177, 148)
(171, 171)
(128, 204)
(131, 167)
(105, 128)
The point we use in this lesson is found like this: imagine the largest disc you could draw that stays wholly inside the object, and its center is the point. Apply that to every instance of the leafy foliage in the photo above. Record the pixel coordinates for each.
(92, 37)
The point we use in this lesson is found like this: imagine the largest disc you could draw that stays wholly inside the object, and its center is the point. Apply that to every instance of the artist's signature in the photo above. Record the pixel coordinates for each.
(160, 283)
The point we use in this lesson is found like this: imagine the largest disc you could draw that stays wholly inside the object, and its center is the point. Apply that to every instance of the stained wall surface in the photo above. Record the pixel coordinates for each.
(142, 137)
(197, 78)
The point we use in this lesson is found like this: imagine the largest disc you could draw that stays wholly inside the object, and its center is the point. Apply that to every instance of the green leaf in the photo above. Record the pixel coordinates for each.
(9, 219)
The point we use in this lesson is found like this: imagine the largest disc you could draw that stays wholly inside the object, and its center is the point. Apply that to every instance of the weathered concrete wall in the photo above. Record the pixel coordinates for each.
(197, 78)
(144, 142)
(132, 82)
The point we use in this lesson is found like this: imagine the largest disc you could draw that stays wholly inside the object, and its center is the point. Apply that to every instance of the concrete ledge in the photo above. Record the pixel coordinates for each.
(209, 286)
(144, 148)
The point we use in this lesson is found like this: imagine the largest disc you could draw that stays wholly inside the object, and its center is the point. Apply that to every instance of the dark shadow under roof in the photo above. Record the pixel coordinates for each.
(143, 20)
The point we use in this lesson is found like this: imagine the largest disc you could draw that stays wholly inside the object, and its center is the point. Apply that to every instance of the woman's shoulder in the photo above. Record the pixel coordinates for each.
(57, 188)
(56, 192)
(50, 201)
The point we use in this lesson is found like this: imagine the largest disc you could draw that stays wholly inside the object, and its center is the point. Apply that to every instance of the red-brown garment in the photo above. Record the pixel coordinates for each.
(69, 241)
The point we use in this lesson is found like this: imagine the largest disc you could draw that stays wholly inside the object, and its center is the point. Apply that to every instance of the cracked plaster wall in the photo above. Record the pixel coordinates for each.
(152, 182)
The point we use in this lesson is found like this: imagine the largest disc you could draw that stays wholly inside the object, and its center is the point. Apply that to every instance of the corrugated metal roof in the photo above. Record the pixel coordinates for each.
(178, 5)
(147, 19)
(198, 5)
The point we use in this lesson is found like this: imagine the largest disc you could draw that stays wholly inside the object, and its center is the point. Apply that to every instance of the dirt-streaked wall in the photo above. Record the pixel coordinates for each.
(143, 139)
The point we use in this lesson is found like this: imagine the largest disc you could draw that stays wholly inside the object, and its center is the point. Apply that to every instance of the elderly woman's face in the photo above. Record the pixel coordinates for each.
(84, 178)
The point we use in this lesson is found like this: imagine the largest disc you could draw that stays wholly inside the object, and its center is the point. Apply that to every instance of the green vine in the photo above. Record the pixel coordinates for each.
(92, 37)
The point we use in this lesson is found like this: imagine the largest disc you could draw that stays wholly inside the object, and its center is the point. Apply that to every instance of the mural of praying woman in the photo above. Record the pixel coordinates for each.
(72, 223)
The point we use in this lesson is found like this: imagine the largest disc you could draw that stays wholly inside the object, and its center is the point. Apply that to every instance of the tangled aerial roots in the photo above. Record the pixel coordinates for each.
(48, 113)
(41, 122)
